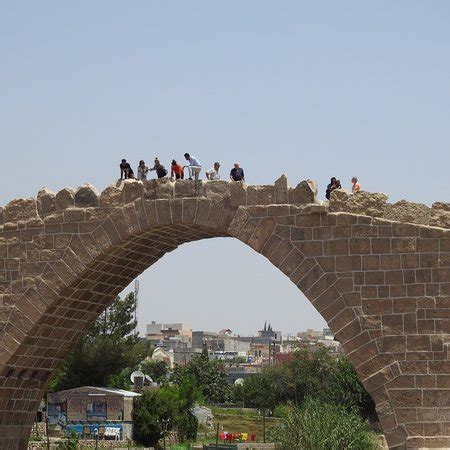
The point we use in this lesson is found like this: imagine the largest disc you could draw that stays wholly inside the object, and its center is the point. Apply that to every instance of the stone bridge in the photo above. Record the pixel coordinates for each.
(378, 273)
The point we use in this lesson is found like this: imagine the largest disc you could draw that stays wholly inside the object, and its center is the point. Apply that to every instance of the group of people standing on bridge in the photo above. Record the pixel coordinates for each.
(177, 170)
(336, 184)
(194, 168)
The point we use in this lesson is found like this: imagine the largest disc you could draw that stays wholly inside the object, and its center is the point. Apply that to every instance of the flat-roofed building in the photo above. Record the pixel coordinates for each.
(168, 335)
(87, 408)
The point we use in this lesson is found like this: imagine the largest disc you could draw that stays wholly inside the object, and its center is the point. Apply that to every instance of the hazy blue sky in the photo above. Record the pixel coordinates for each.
(309, 89)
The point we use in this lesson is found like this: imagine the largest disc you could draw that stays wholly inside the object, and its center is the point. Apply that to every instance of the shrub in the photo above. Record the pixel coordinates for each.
(72, 440)
(325, 426)
(169, 403)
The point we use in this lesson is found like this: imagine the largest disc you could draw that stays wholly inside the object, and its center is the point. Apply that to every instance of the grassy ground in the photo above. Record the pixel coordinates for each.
(238, 421)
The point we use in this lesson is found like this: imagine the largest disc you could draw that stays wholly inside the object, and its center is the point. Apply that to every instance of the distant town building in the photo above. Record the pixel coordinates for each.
(168, 334)
(167, 356)
(176, 343)
(309, 334)
(265, 336)
(223, 343)
(314, 339)
(183, 355)
(269, 334)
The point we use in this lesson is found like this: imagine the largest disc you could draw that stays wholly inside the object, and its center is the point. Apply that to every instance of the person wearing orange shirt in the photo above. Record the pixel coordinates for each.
(176, 170)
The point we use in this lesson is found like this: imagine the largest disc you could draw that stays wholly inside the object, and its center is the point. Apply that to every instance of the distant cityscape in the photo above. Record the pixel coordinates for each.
(176, 344)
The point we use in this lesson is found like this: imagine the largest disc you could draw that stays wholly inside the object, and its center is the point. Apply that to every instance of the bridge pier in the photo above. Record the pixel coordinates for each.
(19, 401)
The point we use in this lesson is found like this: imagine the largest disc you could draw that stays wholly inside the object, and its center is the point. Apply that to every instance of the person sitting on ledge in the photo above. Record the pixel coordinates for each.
(161, 172)
(237, 173)
(142, 171)
(213, 174)
(194, 166)
(125, 170)
(356, 187)
(176, 170)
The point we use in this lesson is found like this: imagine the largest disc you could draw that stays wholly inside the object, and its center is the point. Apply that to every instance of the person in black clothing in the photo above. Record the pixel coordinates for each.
(161, 171)
(334, 184)
(237, 173)
(125, 170)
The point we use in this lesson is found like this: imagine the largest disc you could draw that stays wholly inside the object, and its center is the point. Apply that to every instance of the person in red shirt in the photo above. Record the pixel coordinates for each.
(176, 170)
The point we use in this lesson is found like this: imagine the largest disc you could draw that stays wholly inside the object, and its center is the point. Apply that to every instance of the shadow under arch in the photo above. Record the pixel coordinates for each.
(334, 259)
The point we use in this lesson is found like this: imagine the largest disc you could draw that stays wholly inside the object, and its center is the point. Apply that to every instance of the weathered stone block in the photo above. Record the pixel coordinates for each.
(111, 196)
(443, 206)
(86, 196)
(404, 211)
(65, 198)
(440, 218)
(403, 245)
(281, 190)
(131, 190)
(303, 193)
(46, 202)
(365, 203)
(260, 195)
(238, 222)
(185, 188)
(20, 209)
(217, 188)
(161, 188)
(238, 192)
(203, 207)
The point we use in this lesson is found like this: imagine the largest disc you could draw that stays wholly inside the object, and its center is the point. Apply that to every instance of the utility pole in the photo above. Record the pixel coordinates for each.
(46, 421)
(164, 428)
(136, 295)
(264, 426)
(263, 412)
(217, 435)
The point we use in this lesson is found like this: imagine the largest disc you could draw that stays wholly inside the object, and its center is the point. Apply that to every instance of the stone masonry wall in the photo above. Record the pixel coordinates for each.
(382, 285)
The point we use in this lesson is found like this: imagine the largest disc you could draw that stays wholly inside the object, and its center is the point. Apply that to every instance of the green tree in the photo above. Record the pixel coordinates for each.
(346, 389)
(169, 403)
(316, 374)
(321, 425)
(210, 377)
(257, 391)
(157, 370)
(308, 373)
(150, 410)
(189, 395)
(108, 347)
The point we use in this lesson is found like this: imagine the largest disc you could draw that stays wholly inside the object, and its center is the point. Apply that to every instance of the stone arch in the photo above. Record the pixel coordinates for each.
(383, 286)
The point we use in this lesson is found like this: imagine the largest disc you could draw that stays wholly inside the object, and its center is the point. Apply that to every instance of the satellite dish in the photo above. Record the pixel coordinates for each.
(149, 378)
(136, 374)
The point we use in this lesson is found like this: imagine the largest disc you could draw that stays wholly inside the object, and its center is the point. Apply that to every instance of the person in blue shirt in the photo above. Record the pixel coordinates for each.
(194, 166)
(237, 173)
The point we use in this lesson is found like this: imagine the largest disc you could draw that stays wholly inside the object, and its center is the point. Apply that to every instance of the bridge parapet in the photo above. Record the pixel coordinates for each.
(48, 202)
(376, 205)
